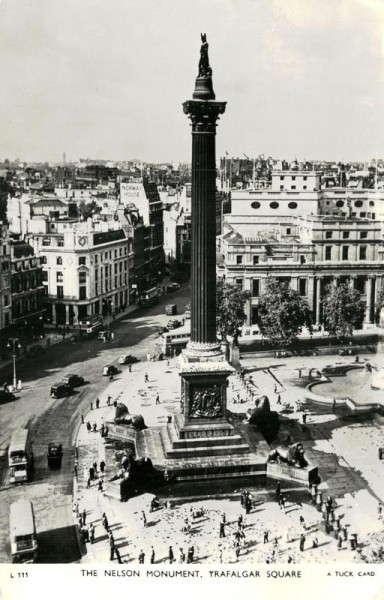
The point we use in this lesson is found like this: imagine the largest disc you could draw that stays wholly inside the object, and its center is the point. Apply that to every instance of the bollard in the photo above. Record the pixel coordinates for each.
(319, 499)
(343, 533)
(314, 492)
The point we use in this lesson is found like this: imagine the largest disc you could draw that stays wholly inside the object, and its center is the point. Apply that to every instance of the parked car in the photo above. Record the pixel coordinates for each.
(60, 390)
(127, 359)
(109, 370)
(172, 287)
(171, 309)
(54, 454)
(6, 396)
(173, 324)
(73, 380)
(161, 330)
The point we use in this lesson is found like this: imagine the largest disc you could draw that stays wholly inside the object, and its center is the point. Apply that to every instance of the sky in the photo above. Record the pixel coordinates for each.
(107, 78)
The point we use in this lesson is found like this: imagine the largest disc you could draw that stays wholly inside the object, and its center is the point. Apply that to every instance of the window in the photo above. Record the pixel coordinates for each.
(345, 252)
(255, 260)
(302, 287)
(82, 292)
(281, 177)
(292, 205)
(293, 178)
(82, 277)
(82, 260)
(239, 259)
(281, 188)
(59, 260)
(339, 203)
(305, 178)
(255, 287)
(359, 203)
(363, 235)
(239, 282)
(60, 242)
(4, 250)
(293, 187)
(363, 253)
(255, 205)
(116, 253)
(328, 235)
(59, 277)
(304, 187)
(288, 231)
(96, 258)
(43, 260)
(363, 215)
(345, 235)
(60, 291)
(44, 276)
(328, 252)
(274, 205)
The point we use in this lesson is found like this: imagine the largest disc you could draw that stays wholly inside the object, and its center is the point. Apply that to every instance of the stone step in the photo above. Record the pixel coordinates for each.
(207, 451)
(229, 440)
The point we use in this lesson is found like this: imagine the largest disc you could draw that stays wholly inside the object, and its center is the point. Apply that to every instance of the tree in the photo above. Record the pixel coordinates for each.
(88, 208)
(378, 306)
(282, 313)
(343, 310)
(230, 315)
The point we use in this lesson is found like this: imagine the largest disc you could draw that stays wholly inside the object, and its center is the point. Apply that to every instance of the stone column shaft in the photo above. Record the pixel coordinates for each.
(203, 305)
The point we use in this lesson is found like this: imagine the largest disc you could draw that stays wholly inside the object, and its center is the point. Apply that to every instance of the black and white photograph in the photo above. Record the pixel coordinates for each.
(192, 294)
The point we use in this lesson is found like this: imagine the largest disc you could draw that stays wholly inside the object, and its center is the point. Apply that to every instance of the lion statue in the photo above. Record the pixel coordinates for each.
(122, 417)
(292, 455)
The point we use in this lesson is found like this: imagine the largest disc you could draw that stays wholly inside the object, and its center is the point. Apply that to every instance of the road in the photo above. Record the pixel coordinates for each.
(49, 420)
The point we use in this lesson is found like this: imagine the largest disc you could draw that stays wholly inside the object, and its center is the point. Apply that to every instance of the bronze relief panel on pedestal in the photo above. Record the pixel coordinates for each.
(206, 402)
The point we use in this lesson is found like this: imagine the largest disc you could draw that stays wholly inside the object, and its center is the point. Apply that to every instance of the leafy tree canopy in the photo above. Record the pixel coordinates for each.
(343, 310)
(282, 313)
(230, 315)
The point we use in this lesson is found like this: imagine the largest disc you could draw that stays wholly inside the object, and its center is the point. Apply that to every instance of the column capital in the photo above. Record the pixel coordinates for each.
(203, 114)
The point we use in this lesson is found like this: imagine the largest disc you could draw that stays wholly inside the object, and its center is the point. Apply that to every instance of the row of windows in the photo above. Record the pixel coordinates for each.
(274, 205)
(82, 260)
(345, 253)
(357, 203)
(293, 177)
(345, 234)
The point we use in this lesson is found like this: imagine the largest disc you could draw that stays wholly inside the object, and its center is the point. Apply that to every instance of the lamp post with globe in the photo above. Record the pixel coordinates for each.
(14, 343)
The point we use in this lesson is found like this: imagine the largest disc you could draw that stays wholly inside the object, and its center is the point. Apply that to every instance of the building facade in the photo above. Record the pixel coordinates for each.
(309, 238)
(5, 278)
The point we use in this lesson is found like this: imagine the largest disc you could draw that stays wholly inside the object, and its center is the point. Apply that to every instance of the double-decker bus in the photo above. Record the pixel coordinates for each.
(22, 532)
(20, 457)
(173, 342)
(91, 324)
(149, 297)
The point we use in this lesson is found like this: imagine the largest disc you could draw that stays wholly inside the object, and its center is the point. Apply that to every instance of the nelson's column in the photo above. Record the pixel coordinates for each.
(202, 426)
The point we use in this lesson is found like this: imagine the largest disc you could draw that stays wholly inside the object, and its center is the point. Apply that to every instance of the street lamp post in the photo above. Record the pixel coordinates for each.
(14, 342)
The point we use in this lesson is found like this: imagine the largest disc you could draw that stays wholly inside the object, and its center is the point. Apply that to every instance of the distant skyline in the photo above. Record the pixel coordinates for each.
(107, 78)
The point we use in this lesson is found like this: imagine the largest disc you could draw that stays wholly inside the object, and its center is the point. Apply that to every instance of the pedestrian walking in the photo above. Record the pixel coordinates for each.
(146, 378)
(240, 521)
(111, 537)
(275, 388)
(380, 511)
(282, 504)
(97, 402)
(304, 417)
(222, 529)
(111, 377)
(302, 542)
(102, 430)
(144, 518)
(302, 522)
(266, 536)
(94, 465)
(181, 555)
(158, 399)
(152, 560)
(109, 400)
(92, 533)
(75, 470)
(89, 427)
(84, 515)
(104, 522)
(82, 419)
(91, 404)
(102, 466)
(100, 485)
(94, 428)
(278, 490)
(130, 367)
(190, 554)
(88, 483)
(299, 373)
(171, 557)
(278, 399)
